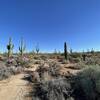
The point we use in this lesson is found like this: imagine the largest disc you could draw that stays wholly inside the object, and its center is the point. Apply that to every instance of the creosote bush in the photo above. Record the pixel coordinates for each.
(75, 60)
(80, 66)
(57, 89)
(93, 61)
(87, 84)
(6, 72)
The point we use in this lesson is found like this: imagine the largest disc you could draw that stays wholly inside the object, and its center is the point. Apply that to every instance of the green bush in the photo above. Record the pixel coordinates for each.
(79, 65)
(87, 83)
(75, 55)
(57, 89)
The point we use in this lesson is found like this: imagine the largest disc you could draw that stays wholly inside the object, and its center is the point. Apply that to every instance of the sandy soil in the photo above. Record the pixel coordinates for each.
(14, 88)
(66, 70)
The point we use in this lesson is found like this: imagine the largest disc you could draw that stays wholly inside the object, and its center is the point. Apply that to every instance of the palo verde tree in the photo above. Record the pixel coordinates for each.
(22, 47)
(65, 51)
(10, 47)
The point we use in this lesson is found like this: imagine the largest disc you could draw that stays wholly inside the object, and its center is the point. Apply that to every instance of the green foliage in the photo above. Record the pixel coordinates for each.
(88, 83)
(22, 47)
(10, 47)
(76, 55)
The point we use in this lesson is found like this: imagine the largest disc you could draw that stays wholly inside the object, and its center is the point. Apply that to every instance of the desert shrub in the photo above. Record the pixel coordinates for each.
(87, 84)
(65, 61)
(60, 60)
(76, 55)
(48, 70)
(59, 57)
(11, 61)
(53, 69)
(44, 57)
(24, 62)
(37, 61)
(36, 77)
(37, 57)
(6, 72)
(16, 70)
(53, 56)
(92, 61)
(79, 65)
(75, 60)
(58, 89)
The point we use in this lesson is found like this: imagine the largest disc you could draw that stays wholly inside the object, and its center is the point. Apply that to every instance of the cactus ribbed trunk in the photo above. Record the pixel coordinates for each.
(10, 47)
(21, 48)
(65, 51)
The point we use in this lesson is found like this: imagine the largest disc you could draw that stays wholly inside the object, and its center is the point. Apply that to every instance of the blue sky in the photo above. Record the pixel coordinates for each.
(50, 23)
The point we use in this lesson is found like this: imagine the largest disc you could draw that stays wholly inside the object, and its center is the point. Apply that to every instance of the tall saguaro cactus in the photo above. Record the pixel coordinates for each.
(10, 47)
(22, 47)
(65, 51)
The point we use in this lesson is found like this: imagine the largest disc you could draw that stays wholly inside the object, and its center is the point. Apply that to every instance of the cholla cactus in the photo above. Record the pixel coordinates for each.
(10, 47)
(22, 47)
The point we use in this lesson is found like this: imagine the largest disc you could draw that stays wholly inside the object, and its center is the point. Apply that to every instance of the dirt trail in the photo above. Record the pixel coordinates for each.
(14, 88)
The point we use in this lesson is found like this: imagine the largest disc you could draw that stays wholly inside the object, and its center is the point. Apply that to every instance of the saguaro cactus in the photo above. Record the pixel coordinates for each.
(37, 49)
(92, 51)
(84, 56)
(71, 50)
(65, 51)
(10, 47)
(22, 47)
